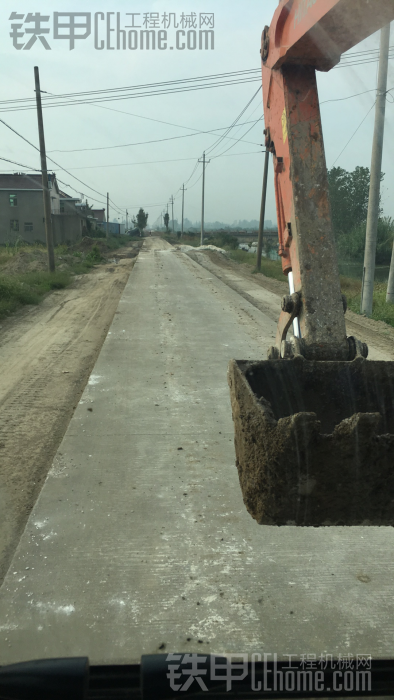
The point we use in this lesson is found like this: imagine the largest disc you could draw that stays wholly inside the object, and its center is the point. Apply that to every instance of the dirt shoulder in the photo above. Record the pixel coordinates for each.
(47, 353)
(376, 334)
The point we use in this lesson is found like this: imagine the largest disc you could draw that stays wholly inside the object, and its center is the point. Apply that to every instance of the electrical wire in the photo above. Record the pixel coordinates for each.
(220, 139)
(137, 87)
(152, 93)
(143, 143)
(35, 170)
(352, 136)
(119, 165)
(211, 148)
(196, 133)
(66, 184)
(154, 162)
(53, 161)
(360, 62)
(251, 72)
(357, 53)
(341, 99)
(240, 139)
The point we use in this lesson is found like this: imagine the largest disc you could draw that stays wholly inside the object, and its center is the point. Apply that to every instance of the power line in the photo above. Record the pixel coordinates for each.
(154, 162)
(220, 139)
(347, 57)
(33, 170)
(163, 87)
(234, 123)
(139, 86)
(143, 143)
(356, 53)
(340, 99)
(152, 93)
(348, 64)
(361, 123)
(240, 139)
(213, 146)
(119, 165)
(53, 161)
(36, 170)
(196, 133)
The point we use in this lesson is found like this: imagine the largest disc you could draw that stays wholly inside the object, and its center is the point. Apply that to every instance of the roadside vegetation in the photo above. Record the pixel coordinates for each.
(24, 278)
(350, 286)
(29, 288)
(269, 268)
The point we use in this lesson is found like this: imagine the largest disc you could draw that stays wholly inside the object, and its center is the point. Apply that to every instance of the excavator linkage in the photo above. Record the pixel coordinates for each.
(314, 424)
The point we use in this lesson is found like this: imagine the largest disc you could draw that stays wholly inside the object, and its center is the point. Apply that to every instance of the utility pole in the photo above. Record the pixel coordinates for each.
(262, 210)
(376, 170)
(166, 220)
(127, 220)
(172, 205)
(107, 215)
(204, 162)
(44, 175)
(183, 207)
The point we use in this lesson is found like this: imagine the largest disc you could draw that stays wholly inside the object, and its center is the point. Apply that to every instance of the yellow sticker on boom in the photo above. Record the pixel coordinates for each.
(284, 126)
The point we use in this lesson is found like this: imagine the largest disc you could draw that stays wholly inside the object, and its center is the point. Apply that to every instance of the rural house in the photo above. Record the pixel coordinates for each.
(22, 210)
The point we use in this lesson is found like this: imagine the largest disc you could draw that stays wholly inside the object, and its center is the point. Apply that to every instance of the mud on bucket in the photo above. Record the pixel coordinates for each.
(314, 441)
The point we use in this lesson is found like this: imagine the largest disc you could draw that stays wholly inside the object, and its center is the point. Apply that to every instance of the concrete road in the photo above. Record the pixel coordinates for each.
(139, 541)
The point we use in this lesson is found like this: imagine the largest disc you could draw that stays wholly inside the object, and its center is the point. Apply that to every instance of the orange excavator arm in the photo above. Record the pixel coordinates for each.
(314, 424)
(305, 36)
(317, 32)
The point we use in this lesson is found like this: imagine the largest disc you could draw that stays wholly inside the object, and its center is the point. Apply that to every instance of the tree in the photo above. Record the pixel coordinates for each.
(349, 194)
(141, 220)
(166, 220)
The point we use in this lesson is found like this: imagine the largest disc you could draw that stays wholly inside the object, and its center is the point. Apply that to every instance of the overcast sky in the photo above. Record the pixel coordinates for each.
(233, 182)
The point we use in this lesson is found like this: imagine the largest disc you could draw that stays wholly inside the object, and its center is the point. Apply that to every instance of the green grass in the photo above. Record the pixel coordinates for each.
(114, 243)
(381, 311)
(94, 255)
(83, 267)
(17, 290)
(29, 288)
(269, 268)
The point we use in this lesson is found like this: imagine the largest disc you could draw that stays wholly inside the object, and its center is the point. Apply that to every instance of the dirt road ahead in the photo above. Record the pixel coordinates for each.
(46, 355)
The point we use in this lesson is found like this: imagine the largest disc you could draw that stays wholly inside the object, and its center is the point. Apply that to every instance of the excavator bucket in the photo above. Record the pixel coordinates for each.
(314, 441)
(314, 425)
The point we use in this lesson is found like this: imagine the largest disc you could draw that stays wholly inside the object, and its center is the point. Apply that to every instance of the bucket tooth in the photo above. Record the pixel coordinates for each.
(314, 441)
